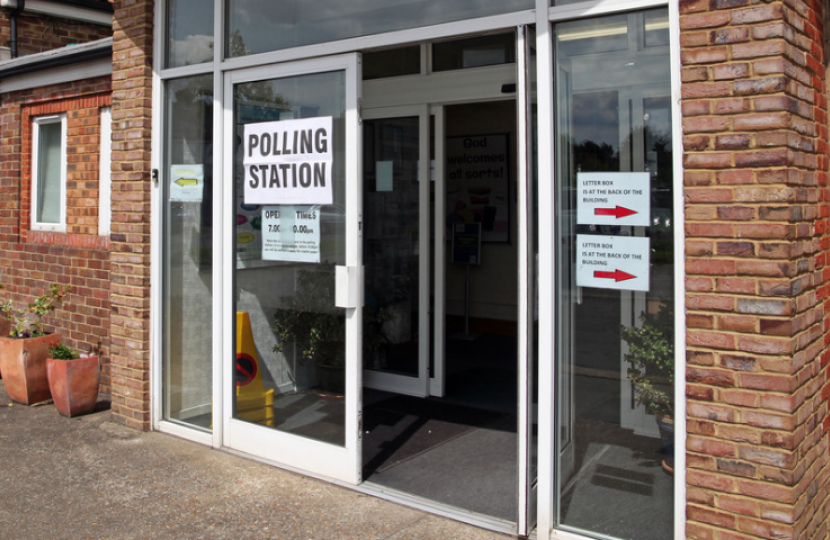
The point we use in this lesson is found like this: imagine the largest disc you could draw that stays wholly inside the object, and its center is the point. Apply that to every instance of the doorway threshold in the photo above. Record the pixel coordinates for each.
(444, 510)
(404, 499)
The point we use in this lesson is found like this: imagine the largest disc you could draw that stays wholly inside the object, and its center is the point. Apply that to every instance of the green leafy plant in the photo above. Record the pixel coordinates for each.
(62, 351)
(28, 322)
(310, 319)
(651, 358)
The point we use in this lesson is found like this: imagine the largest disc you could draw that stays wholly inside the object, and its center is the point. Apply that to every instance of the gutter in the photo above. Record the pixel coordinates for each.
(62, 57)
(90, 11)
(96, 5)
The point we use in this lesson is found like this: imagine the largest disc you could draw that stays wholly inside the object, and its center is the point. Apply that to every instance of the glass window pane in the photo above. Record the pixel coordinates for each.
(392, 63)
(474, 52)
(256, 26)
(49, 173)
(188, 237)
(656, 29)
(189, 32)
(291, 347)
(593, 36)
(615, 354)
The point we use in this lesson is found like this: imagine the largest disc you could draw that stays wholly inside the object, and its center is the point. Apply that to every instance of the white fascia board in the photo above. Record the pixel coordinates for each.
(76, 72)
(58, 9)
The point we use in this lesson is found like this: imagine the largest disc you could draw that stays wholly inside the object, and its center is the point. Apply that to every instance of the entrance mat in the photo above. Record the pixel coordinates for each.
(485, 388)
(402, 427)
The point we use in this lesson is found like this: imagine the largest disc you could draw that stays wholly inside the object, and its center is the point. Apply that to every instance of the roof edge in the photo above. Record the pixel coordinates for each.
(64, 56)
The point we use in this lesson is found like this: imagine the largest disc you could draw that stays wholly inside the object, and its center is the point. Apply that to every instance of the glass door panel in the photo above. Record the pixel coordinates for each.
(614, 365)
(291, 394)
(187, 368)
(396, 258)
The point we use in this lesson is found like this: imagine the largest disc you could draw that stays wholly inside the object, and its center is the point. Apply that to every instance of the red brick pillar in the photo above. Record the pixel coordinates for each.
(130, 289)
(756, 159)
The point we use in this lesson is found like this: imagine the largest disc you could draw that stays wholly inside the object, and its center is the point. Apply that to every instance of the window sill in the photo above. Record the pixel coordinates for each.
(85, 241)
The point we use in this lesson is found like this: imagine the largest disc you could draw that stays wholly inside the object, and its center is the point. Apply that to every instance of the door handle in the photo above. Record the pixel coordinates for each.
(348, 286)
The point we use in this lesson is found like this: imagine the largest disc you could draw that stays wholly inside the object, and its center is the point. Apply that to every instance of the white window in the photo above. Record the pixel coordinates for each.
(49, 173)
(105, 174)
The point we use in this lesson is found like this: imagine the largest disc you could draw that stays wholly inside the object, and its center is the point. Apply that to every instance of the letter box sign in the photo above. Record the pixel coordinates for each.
(288, 162)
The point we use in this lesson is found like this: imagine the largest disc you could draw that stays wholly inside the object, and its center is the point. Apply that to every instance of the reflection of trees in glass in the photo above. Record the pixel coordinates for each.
(237, 45)
(592, 156)
(596, 157)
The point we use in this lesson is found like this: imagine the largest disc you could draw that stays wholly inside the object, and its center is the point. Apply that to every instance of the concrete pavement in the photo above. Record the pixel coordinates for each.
(87, 478)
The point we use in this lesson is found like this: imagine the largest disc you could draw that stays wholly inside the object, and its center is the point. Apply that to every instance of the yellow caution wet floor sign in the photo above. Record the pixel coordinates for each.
(253, 402)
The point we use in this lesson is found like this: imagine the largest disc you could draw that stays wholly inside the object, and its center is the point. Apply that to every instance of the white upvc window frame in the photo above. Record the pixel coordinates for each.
(37, 123)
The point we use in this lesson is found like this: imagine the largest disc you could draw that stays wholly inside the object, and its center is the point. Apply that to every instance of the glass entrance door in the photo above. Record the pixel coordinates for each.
(291, 391)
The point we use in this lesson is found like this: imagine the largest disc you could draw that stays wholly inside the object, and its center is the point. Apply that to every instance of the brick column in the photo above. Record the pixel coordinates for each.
(755, 139)
(130, 257)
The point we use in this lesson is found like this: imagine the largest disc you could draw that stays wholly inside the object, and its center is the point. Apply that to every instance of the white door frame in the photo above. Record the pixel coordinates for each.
(524, 156)
(323, 459)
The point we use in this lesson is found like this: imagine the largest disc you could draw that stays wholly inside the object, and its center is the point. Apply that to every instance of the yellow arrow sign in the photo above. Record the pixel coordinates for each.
(187, 182)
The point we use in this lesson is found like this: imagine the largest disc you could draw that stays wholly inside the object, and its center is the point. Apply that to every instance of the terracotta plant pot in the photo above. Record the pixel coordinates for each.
(23, 364)
(665, 424)
(74, 384)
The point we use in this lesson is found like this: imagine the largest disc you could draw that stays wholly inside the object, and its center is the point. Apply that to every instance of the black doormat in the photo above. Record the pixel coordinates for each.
(403, 427)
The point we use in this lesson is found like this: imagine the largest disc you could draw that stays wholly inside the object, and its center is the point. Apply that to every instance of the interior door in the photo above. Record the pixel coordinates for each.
(396, 247)
(292, 223)
(645, 114)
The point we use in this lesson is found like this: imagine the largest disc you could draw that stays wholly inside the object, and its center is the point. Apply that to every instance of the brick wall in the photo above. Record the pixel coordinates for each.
(755, 138)
(38, 33)
(130, 290)
(79, 257)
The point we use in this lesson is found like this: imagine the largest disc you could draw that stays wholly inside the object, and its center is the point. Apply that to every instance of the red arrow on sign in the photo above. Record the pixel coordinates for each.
(618, 212)
(616, 275)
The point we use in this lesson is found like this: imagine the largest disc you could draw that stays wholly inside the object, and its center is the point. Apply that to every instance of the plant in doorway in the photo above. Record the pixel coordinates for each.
(310, 319)
(24, 350)
(73, 379)
(651, 370)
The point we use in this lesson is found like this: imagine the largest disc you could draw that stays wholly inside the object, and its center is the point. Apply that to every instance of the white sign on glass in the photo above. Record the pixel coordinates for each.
(613, 198)
(187, 183)
(612, 262)
(288, 162)
(291, 233)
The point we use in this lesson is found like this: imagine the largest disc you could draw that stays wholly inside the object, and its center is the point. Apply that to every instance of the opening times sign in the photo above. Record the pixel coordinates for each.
(612, 262)
(288, 162)
(291, 233)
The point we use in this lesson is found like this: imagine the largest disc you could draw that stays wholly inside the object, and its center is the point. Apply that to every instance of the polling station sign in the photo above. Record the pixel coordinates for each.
(288, 162)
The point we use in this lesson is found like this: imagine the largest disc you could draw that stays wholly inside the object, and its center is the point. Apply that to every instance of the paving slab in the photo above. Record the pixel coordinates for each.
(88, 478)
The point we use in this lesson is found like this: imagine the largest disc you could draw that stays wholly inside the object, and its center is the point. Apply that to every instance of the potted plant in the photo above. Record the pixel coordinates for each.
(310, 319)
(651, 370)
(24, 351)
(73, 379)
